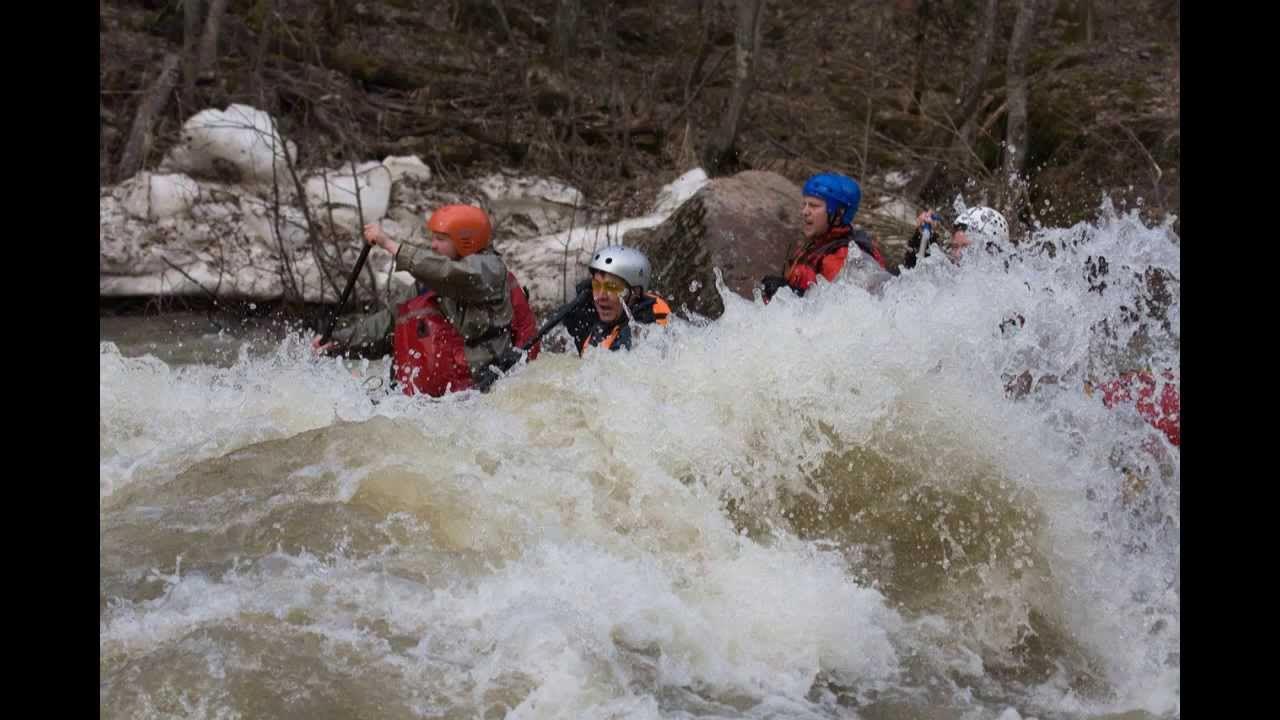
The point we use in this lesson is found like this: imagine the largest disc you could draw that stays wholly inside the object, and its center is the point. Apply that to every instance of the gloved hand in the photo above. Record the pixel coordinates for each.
(930, 218)
(909, 257)
(770, 284)
(328, 349)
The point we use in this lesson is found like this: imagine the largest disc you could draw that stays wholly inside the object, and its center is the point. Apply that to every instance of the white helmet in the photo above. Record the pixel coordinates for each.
(627, 263)
(984, 223)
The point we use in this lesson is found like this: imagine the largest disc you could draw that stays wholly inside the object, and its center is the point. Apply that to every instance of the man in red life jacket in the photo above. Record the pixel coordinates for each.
(472, 311)
(620, 278)
(830, 202)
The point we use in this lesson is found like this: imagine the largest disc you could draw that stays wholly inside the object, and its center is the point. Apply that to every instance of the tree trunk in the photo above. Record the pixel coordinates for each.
(720, 152)
(564, 31)
(190, 37)
(1177, 57)
(704, 48)
(335, 17)
(209, 40)
(1015, 151)
(260, 49)
(135, 149)
(503, 23)
(104, 161)
(916, 96)
(970, 95)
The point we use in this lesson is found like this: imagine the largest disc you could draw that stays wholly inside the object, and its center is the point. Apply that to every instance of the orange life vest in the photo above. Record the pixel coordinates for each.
(622, 330)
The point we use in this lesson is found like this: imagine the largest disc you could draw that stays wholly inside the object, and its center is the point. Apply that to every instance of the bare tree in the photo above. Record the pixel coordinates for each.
(748, 21)
(209, 39)
(916, 95)
(1177, 56)
(1015, 151)
(503, 23)
(190, 39)
(199, 48)
(564, 31)
(970, 95)
(259, 57)
(335, 17)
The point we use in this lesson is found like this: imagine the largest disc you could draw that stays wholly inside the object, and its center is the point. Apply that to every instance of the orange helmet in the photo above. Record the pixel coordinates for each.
(468, 227)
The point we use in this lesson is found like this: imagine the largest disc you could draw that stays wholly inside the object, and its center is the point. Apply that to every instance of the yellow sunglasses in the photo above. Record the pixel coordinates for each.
(610, 286)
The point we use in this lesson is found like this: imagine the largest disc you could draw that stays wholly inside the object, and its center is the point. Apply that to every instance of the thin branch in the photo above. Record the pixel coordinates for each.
(502, 20)
(689, 101)
(1159, 173)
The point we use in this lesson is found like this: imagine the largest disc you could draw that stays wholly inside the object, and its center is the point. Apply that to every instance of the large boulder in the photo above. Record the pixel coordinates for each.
(742, 224)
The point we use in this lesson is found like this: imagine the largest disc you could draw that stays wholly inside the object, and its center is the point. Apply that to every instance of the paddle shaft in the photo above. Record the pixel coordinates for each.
(556, 319)
(364, 255)
(925, 232)
(487, 375)
(346, 293)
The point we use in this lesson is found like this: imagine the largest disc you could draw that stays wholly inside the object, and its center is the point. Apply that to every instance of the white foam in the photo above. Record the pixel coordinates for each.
(580, 501)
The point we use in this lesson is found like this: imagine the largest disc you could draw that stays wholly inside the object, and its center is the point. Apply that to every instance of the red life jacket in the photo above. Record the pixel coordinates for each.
(523, 326)
(430, 354)
(1165, 417)
(867, 242)
(827, 256)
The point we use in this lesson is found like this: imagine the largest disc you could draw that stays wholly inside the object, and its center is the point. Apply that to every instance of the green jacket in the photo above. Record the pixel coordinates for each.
(473, 297)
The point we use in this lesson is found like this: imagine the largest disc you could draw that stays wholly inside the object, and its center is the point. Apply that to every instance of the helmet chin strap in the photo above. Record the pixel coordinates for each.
(834, 216)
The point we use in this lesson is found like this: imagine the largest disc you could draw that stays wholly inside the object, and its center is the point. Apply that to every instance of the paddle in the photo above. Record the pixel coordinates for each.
(925, 233)
(351, 281)
(486, 376)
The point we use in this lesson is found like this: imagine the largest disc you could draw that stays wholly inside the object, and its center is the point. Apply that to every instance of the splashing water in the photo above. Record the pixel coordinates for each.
(844, 505)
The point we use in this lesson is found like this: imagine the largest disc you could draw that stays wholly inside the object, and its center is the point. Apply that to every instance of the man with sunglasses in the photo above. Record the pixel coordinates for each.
(620, 277)
(980, 223)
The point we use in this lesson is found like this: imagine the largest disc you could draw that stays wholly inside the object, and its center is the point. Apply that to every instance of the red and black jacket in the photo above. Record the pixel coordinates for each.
(826, 256)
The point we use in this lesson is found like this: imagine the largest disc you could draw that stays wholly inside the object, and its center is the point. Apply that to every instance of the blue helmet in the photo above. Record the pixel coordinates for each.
(841, 193)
